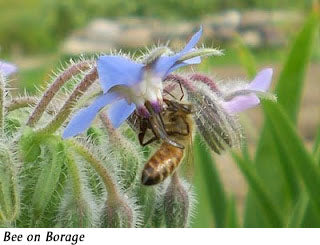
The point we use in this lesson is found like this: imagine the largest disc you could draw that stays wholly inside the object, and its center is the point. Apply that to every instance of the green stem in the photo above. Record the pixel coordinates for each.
(107, 179)
(12, 201)
(76, 186)
(2, 94)
(22, 102)
(54, 88)
(66, 109)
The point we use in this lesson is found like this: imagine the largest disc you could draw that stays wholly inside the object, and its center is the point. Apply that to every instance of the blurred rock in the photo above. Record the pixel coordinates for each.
(135, 37)
(255, 18)
(252, 38)
(257, 28)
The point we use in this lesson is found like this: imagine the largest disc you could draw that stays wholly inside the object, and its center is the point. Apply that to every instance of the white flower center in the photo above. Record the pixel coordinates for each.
(149, 89)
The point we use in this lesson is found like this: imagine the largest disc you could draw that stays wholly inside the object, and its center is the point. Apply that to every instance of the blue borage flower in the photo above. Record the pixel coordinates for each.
(7, 69)
(127, 85)
(245, 96)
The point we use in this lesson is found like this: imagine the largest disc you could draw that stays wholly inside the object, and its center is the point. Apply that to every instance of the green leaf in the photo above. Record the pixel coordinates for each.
(213, 188)
(232, 216)
(299, 211)
(292, 145)
(291, 79)
(78, 207)
(259, 191)
(268, 162)
(48, 180)
(9, 186)
(316, 145)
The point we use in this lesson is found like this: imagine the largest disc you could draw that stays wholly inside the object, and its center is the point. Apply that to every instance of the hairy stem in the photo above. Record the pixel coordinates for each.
(54, 88)
(206, 80)
(185, 82)
(114, 135)
(2, 95)
(97, 165)
(76, 186)
(22, 102)
(66, 109)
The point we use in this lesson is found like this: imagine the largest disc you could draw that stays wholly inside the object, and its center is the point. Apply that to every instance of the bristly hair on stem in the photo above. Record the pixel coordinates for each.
(55, 86)
(66, 109)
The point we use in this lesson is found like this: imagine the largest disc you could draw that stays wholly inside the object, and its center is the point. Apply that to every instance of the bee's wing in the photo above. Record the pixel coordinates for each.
(187, 167)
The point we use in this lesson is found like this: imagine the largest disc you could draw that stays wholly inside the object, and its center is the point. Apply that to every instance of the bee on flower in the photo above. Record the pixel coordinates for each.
(139, 86)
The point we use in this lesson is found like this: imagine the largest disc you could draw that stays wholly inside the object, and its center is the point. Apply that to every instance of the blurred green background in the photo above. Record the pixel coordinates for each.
(274, 181)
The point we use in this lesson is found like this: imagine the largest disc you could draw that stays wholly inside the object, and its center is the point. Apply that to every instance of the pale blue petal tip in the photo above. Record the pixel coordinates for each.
(167, 64)
(7, 69)
(262, 81)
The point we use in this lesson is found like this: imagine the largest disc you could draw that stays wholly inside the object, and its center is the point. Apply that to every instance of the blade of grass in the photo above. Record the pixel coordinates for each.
(299, 211)
(290, 142)
(316, 145)
(262, 196)
(212, 184)
(232, 215)
(289, 89)
(309, 214)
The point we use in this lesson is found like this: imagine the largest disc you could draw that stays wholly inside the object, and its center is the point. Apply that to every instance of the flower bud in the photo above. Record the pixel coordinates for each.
(9, 191)
(201, 52)
(176, 204)
(219, 129)
(117, 213)
(48, 183)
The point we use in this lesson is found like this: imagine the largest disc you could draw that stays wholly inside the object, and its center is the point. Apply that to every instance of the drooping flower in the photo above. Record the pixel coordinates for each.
(127, 85)
(7, 69)
(247, 96)
(216, 105)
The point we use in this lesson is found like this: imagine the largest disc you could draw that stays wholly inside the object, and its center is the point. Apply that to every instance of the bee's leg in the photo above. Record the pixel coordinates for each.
(157, 126)
(149, 141)
(172, 106)
(182, 92)
(144, 126)
(166, 91)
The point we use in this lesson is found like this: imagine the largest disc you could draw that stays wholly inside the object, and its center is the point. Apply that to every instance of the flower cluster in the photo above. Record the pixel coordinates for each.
(95, 181)
(128, 84)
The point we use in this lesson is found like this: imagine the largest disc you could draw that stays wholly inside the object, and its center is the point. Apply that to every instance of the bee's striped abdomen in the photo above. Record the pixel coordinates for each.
(162, 163)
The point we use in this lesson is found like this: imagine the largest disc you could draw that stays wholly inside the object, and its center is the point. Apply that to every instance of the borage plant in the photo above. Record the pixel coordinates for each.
(100, 177)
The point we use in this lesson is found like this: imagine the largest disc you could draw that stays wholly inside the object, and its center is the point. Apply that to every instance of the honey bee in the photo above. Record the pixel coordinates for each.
(174, 126)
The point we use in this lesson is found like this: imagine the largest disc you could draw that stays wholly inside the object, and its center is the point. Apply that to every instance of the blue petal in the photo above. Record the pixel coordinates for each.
(117, 70)
(193, 41)
(7, 68)
(119, 111)
(164, 64)
(192, 61)
(82, 120)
